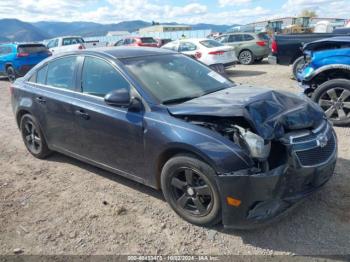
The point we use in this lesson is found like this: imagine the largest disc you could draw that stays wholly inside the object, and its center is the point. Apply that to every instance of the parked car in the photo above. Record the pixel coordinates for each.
(287, 49)
(65, 44)
(17, 59)
(249, 47)
(207, 51)
(137, 41)
(219, 151)
(326, 79)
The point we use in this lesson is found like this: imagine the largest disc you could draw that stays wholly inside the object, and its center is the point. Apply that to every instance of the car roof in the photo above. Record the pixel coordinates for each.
(122, 52)
(20, 44)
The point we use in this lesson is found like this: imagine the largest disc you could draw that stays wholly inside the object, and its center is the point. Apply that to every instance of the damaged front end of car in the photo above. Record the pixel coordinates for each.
(293, 152)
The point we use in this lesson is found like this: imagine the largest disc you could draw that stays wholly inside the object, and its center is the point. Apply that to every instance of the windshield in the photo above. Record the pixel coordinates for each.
(211, 43)
(175, 78)
(73, 41)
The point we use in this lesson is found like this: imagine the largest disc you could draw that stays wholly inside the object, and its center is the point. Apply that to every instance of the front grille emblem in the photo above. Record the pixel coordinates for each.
(322, 140)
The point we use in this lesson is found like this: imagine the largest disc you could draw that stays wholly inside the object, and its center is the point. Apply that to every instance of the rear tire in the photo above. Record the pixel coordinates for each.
(298, 65)
(246, 57)
(33, 137)
(189, 187)
(334, 98)
(11, 74)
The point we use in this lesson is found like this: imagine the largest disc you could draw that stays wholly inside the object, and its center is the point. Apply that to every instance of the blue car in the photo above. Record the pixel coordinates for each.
(218, 151)
(17, 59)
(325, 77)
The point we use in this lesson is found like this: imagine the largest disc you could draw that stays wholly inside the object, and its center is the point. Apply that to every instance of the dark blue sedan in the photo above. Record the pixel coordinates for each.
(218, 151)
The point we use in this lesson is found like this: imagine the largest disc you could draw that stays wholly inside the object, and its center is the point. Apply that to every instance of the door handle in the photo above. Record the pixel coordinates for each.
(82, 114)
(41, 100)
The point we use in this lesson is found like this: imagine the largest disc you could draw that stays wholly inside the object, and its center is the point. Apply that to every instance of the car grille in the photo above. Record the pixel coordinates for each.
(317, 155)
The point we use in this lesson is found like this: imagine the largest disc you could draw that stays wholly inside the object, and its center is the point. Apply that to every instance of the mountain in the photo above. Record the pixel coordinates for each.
(16, 30)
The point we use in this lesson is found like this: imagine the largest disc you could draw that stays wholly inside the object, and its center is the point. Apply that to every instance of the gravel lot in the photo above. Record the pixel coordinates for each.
(63, 206)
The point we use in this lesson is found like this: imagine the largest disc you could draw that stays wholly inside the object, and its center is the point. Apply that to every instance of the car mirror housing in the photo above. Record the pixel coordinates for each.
(119, 97)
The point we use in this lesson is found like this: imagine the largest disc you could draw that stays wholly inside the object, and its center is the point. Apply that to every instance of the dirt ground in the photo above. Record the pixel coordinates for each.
(63, 206)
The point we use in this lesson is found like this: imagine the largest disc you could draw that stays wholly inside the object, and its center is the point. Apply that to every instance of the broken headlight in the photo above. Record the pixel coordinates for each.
(257, 146)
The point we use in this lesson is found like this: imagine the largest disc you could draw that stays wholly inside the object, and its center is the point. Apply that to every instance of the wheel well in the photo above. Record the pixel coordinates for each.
(20, 114)
(246, 49)
(329, 75)
(7, 66)
(168, 154)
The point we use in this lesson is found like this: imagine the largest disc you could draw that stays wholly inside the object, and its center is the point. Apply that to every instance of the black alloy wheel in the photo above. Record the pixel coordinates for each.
(11, 74)
(189, 187)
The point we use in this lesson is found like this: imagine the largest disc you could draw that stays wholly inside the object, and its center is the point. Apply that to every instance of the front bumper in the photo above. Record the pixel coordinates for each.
(266, 197)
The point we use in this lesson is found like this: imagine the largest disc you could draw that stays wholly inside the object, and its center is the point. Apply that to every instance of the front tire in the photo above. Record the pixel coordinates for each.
(297, 66)
(189, 187)
(246, 57)
(334, 98)
(11, 74)
(33, 137)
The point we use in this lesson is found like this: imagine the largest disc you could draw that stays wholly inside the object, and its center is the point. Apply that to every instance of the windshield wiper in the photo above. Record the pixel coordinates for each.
(179, 100)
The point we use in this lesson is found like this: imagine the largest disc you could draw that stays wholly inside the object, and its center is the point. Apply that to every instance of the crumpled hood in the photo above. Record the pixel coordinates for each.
(271, 113)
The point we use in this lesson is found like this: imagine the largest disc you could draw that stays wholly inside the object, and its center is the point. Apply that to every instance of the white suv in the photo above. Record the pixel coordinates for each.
(65, 44)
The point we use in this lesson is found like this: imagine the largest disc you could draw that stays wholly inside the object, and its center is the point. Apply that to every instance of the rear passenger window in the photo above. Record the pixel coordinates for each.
(99, 77)
(61, 73)
(248, 38)
(41, 75)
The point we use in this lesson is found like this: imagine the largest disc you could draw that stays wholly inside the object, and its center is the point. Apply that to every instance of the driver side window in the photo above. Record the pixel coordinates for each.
(99, 77)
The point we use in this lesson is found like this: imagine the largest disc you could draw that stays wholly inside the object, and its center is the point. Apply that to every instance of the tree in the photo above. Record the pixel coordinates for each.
(308, 13)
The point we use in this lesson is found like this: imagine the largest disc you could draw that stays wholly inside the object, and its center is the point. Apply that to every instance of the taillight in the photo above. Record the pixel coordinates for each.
(261, 43)
(216, 52)
(274, 47)
(198, 55)
(22, 54)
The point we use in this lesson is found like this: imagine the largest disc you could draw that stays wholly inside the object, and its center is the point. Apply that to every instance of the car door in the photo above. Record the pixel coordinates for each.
(54, 99)
(112, 136)
(237, 41)
(2, 60)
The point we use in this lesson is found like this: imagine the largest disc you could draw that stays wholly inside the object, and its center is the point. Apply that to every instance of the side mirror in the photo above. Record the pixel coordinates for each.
(120, 97)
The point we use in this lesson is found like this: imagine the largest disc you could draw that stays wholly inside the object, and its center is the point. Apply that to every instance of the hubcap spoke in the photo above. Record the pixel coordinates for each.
(341, 114)
(325, 103)
(29, 138)
(344, 95)
(27, 128)
(182, 201)
(202, 190)
(189, 176)
(178, 183)
(330, 112)
(333, 95)
(346, 105)
(199, 205)
(37, 139)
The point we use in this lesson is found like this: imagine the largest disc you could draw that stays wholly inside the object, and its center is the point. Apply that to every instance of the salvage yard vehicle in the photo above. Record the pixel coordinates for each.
(325, 78)
(17, 59)
(66, 44)
(137, 41)
(218, 151)
(249, 47)
(208, 51)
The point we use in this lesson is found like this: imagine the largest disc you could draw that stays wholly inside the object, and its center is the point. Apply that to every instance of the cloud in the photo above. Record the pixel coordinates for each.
(224, 3)
(324, 8)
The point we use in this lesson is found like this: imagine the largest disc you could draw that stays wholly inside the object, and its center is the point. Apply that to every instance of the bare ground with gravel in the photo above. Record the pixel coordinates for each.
(63, 206)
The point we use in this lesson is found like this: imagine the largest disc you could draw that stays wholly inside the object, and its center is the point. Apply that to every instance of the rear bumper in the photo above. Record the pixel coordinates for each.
(266, 197)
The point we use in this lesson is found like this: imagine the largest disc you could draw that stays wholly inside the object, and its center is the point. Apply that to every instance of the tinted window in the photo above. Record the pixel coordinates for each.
(211, 43)
(119, 43)
(148, 40)
(4, 50)
(72, 41)
(222, 39)
(99, 77)
(187, 46)
(31, 49)
(41, 75)
(61, 73)
(248, 37)
(53, 43)
(236, 38)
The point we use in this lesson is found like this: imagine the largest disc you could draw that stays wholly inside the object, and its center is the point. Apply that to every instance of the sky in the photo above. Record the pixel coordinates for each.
(181, 11)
